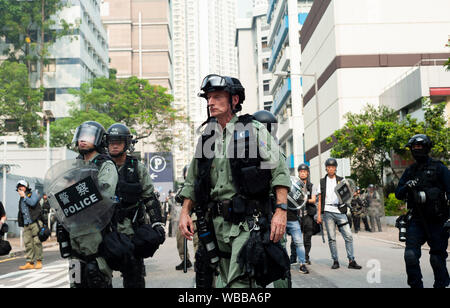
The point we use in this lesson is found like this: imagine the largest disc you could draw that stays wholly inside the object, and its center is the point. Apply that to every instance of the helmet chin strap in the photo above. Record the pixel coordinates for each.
(84, 152)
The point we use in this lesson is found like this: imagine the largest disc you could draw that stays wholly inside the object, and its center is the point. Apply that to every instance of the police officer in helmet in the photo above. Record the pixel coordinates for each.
(89, 139)
(426, 187)
(216, 181)
(136, 197)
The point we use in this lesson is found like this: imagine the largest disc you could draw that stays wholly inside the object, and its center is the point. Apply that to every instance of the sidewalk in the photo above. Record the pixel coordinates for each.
(17, 251)
(389, 235)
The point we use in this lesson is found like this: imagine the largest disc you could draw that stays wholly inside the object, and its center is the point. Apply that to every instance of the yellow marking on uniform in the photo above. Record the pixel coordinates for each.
(11, 259)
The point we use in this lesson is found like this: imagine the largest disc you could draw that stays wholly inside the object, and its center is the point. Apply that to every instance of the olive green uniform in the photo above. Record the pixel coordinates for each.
(87, 244)
(375, 210)
(231, 237)
(147, 192)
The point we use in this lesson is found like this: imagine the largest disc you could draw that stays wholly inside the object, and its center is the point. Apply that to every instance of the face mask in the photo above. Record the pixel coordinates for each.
(420, 155)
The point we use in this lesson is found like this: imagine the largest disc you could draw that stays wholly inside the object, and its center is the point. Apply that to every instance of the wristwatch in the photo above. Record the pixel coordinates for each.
(282, 206)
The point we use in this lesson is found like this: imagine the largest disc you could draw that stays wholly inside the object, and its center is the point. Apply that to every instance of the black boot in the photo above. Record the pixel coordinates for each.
(335, 265)
(354, 265)
(180, 266)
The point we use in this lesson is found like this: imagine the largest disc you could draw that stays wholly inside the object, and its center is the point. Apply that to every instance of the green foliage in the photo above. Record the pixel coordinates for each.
(369, 138)
(23, 23)
(62, 130)
(18, 101)
(145, 108)
(394, 207)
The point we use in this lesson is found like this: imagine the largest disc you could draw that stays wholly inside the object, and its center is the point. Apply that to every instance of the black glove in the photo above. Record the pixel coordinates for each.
(161, 232)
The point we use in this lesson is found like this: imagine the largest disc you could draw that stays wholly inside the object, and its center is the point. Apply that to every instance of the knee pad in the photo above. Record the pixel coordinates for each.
(411, 258)
(94, 277)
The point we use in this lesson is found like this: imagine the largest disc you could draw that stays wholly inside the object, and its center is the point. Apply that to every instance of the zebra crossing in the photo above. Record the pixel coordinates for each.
(51, 276)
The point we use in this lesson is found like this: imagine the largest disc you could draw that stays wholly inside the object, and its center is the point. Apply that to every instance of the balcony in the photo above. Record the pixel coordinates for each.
(281, 97)
(270, 10)
(279, 40)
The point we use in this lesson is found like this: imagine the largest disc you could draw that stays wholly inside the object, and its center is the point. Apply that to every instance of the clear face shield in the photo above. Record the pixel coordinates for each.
(88, 134)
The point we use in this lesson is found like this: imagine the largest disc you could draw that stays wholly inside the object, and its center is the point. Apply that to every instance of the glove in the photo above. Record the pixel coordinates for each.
(411, 183)
(161, 232)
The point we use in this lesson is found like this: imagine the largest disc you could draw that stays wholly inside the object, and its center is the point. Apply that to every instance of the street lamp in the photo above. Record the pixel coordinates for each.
(47, 116)
(287, 74)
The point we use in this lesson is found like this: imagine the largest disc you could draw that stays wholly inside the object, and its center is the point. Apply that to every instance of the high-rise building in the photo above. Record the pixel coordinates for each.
(370, 52)
(252, 32)
(140, 44)
(286, 18)
(73, 60)
(139, 35)
(203, 43)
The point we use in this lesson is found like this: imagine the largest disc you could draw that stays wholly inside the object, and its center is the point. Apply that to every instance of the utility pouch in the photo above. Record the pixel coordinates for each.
(255, 181)
(226, 209)
(239, 206)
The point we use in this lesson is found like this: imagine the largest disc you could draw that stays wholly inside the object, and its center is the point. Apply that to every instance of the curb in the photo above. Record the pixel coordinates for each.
(21, 252)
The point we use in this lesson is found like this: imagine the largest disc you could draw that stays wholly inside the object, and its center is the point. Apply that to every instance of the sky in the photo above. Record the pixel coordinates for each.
(243, 7)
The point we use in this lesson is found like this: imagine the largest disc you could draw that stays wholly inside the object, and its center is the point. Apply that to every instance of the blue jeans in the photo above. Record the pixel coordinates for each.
(416, 236)
(293, 229)
(332, 220)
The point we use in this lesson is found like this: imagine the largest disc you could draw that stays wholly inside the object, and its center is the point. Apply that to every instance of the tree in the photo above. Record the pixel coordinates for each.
(30, 28)
(62, 131)
(19, 102)
(145, 108)
(370, 138)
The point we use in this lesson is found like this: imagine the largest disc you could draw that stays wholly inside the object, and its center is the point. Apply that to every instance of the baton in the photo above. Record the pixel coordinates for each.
(185, 256)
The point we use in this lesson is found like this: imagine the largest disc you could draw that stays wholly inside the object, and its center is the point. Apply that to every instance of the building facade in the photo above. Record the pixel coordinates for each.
(286, 18)
(369, 52)
(253, 56)
(203, 43)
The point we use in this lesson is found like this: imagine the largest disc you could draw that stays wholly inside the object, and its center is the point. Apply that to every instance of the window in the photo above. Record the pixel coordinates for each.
(50, 95)
(264, 42)
(33, 67)
(266, 87)
(50, 67)
(11, 125)
(267, 106)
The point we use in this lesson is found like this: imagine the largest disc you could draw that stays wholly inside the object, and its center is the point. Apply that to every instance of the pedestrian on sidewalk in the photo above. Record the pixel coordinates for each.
(2, 216)
(334, 214)
(29, 218)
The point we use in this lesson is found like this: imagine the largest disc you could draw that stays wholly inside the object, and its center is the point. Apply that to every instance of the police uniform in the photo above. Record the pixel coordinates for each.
(359, 211)
(85, 247)
(135, 191)
(428, 218)
(231, 236)
(375, 210)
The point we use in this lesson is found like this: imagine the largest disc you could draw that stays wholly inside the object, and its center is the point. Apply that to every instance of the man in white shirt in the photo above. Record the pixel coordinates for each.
(329, 207)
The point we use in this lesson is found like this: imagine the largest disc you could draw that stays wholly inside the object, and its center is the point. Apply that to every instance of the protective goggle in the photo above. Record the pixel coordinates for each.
(213, 81)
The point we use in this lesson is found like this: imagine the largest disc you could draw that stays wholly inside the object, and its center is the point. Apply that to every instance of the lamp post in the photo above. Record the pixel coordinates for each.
(316, 87)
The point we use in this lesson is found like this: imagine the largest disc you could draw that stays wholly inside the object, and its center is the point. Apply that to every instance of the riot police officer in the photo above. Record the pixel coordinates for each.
(376, 208)
(89, 140)
(234, 189)
(426, 187)
(136, 198)
(359, 211)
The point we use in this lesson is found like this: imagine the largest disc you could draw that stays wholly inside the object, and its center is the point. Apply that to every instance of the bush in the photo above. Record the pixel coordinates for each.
(394, 207)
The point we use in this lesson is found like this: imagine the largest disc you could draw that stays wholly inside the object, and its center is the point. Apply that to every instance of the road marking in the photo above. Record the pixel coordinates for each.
(6, 260)
(53, 276)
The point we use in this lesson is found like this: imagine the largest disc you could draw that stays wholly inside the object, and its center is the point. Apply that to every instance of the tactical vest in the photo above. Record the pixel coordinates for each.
(310, 207)
(250, 182)
(435, 206)
(35, 212)
(129, 187)
(323, 191)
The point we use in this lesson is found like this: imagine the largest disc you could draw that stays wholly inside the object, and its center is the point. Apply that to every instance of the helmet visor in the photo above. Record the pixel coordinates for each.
(213, 81)
(88, 133)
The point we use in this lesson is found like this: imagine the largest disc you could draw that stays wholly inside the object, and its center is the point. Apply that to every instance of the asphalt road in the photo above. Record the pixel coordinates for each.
(383, 267)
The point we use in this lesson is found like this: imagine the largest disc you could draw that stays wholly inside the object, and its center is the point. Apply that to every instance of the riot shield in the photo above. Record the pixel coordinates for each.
(298, 196)
(345, 190)
(80, 204)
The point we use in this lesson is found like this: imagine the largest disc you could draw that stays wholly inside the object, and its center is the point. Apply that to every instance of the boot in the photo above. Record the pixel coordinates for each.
(335, 265)
(38, 265)
(180, 266)
(354, 265)
(27, 266)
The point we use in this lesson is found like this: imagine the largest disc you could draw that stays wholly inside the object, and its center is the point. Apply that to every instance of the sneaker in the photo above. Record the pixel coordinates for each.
(27, 266)
(335, 265)
(354, 265)
(303, 269)
(308, 262)
(180, 266)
